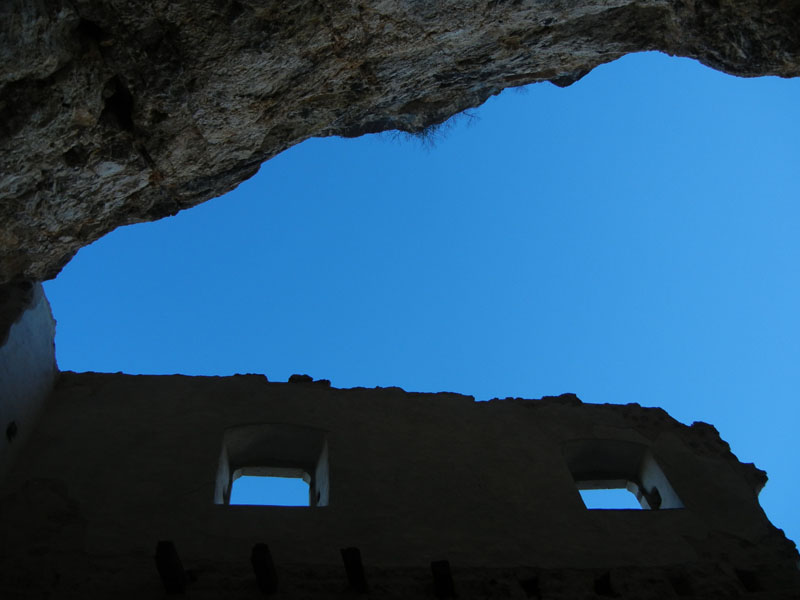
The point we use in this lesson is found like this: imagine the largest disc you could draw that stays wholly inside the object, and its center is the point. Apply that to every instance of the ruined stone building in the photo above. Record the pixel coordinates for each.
(410, 495)
(118, 486)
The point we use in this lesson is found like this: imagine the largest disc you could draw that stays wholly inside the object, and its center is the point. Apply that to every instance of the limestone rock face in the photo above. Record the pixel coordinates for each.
(119, 111)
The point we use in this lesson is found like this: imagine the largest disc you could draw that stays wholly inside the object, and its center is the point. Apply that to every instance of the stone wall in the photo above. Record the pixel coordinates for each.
(120, 462)
(27, 364)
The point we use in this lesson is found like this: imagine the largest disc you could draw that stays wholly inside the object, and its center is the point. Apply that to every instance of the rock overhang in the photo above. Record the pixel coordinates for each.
(129, 112)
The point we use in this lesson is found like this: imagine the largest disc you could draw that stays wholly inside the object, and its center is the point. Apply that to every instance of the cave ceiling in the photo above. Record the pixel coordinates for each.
(121, 111)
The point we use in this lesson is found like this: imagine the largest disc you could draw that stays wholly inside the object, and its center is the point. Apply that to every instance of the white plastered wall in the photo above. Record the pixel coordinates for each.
(27, 372)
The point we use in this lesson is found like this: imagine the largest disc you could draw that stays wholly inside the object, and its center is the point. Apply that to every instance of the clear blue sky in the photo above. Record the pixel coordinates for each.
(632, 238)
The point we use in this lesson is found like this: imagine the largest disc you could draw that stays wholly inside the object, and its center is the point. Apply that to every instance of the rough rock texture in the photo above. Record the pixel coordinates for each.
(122, 111)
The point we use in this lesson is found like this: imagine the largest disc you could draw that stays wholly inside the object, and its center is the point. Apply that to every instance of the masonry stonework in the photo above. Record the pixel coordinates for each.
(121, 462)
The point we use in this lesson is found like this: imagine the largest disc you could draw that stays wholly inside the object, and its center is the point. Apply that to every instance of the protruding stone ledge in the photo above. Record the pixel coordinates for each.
(117, 113)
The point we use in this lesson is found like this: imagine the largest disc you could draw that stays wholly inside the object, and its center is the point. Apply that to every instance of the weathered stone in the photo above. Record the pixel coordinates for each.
(413, 481)
(15, 299)
(117, 112)
(27, 364)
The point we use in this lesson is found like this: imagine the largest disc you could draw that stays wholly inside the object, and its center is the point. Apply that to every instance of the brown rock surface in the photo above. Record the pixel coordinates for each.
(116, 112)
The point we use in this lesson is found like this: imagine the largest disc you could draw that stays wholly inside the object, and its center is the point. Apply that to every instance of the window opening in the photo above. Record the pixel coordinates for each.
(610, 498)
(618, 474)
(270, 490)
(273, 464)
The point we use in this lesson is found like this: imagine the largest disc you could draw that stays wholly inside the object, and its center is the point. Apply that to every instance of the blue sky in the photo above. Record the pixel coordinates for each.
(631, 238)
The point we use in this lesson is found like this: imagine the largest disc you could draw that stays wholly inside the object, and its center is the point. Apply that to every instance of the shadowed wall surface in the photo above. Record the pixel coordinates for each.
(27, 367)
(120, 462)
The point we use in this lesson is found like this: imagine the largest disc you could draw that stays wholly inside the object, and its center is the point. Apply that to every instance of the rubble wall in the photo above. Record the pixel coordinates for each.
(120, 462)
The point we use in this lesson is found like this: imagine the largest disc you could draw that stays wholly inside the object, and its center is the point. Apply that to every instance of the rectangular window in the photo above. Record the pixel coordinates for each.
(273, 464)
(610, 498)
(255, 489)
(618, 474)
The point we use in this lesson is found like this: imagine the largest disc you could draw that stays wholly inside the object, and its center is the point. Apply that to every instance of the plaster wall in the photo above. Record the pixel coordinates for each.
(27, 371)
(119, 462)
